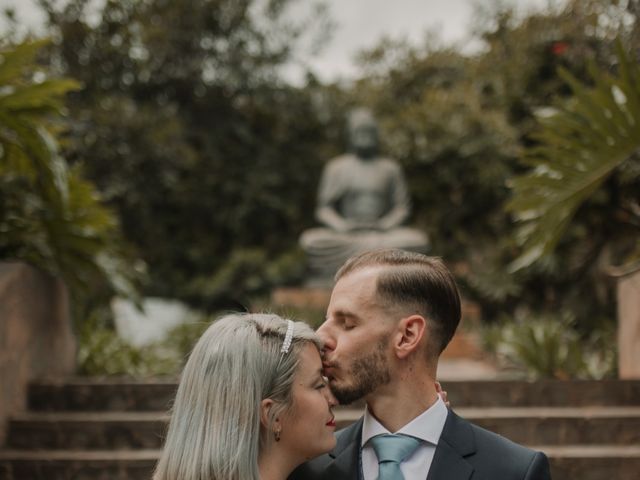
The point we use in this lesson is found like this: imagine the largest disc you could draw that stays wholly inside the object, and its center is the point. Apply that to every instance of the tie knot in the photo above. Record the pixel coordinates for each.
(393, 448)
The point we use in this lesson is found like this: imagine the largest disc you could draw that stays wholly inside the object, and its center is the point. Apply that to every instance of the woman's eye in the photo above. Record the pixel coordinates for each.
(320, 386)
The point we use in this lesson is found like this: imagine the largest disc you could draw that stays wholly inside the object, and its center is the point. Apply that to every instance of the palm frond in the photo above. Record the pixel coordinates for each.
(50, 216)
(579, 148)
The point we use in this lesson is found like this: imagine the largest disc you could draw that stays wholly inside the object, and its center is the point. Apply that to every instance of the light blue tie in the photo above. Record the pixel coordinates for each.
(391, 450)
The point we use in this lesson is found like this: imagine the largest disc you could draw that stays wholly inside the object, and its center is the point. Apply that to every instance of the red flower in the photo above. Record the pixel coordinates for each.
(559, 48)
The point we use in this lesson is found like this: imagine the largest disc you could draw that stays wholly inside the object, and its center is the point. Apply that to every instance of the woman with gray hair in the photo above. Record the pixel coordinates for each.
(252, 403)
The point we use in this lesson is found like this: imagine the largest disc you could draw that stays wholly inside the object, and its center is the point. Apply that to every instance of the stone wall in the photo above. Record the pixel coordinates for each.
(629, 323)
(36, 337)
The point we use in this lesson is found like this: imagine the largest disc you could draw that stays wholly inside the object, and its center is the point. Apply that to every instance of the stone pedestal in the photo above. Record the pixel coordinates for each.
(628, 293)
(302, 297)
(36, 337)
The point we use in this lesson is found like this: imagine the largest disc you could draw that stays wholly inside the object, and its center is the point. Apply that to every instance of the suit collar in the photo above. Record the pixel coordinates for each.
(456, 442)
(346, 454)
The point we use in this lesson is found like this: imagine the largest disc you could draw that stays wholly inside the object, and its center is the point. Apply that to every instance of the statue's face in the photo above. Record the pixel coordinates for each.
(364, 139)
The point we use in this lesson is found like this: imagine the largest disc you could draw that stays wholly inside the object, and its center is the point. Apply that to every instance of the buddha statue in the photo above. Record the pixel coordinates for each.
(363, 203)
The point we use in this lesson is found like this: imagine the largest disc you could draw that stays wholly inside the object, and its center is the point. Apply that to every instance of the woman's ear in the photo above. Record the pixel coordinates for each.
(271, 425)
(412, 330)
(265, 410)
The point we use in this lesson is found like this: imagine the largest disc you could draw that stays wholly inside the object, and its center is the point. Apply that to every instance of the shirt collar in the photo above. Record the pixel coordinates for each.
(427, 426)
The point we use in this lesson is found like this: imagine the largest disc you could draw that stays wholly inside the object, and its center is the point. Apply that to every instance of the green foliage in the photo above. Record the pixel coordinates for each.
(459, 125)
(102, 352)
(456, 149)
(192, 138)
(247, 274)
(211, 161)
(49, 216)
(579, 148)
(550, 347)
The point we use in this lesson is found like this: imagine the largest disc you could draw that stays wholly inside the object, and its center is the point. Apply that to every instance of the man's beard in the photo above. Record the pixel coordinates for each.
(368, 372)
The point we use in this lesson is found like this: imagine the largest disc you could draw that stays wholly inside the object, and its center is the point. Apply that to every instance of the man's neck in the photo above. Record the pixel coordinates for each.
(396, 404)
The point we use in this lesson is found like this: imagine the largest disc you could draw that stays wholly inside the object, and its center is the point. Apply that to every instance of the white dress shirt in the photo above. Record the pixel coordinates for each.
(427, 427)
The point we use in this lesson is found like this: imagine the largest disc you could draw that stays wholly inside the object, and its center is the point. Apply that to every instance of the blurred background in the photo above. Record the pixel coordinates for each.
(171, 150)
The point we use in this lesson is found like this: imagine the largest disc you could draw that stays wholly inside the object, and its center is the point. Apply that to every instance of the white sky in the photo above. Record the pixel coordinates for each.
(361, 23)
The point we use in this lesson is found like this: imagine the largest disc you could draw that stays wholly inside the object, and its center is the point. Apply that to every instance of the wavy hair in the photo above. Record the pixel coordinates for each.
(215, 431)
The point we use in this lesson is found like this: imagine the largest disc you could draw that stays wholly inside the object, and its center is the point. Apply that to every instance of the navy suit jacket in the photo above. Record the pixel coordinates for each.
(464, 452)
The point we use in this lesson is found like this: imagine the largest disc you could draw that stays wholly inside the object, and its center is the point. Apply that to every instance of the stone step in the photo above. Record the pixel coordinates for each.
(551, 393)
(87, 430)
(594, 462)
(548, 425)
(122, 430)
(78, 464)
(156, 395)
(96, 394)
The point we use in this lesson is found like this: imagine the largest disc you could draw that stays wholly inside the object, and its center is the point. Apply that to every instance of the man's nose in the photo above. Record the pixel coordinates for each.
(324, 332)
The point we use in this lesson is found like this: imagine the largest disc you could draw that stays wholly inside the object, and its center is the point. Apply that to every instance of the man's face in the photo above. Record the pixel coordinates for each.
(357, 338)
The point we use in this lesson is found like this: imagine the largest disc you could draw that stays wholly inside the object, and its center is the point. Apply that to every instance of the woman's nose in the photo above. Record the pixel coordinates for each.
(331, 400)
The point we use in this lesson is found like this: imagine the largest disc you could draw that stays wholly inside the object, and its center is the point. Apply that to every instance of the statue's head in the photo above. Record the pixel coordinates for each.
(363, 132)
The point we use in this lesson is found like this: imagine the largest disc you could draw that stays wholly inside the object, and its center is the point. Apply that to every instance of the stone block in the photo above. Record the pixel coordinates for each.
(36, 336)
(628, 292)
(301, 297)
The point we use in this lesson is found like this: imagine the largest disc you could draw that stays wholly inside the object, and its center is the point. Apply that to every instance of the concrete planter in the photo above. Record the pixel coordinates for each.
(628, 292)
(36, 334)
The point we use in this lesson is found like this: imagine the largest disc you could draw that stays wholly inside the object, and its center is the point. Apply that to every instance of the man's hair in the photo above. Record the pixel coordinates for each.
(215, 430)
(410, 280)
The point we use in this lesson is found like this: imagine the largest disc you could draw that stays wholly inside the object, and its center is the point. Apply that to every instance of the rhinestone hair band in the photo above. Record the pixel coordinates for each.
(288, 337)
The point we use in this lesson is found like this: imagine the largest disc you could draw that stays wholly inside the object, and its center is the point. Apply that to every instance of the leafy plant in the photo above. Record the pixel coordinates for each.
(194, 139)
(551, 347)
(102, 352)
(246, 274)
(592, 137)
(49, 216)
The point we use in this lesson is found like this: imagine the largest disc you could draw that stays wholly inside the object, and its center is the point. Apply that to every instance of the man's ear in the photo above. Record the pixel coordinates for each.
(412, 329)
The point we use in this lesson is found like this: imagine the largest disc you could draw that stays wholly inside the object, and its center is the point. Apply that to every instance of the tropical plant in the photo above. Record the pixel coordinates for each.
(49, 216)
(551, 347)
(587, 152)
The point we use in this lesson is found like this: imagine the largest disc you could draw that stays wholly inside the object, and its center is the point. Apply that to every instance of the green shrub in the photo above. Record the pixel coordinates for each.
(551, 347)
(102, 352)
(50, 217)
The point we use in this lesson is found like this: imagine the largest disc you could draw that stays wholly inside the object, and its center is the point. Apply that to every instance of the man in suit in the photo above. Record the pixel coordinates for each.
(390, 316)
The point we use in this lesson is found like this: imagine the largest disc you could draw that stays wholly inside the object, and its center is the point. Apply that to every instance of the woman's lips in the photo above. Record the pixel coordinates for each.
(332, 422)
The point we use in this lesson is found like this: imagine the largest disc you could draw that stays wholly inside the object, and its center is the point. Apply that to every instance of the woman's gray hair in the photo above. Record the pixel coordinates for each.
(215, 430)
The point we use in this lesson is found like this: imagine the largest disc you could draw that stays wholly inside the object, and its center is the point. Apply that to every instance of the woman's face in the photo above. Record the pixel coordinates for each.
(308, 426)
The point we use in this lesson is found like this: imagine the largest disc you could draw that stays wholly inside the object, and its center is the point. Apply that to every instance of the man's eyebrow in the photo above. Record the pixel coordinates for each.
(343, 314)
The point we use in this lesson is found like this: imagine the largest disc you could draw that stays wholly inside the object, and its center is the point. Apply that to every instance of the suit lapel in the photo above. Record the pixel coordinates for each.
(456, 442)
(346, 455)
